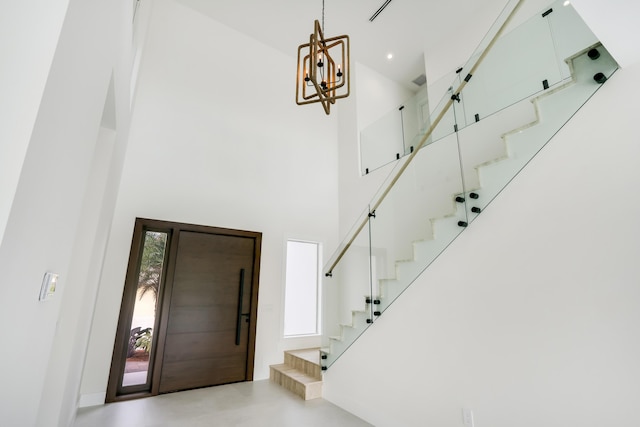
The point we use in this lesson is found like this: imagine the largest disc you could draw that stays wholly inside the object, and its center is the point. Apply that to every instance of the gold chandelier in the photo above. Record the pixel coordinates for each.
(323, 68)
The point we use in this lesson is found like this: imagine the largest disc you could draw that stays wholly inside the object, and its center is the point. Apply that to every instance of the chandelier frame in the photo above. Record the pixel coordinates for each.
(323, 80)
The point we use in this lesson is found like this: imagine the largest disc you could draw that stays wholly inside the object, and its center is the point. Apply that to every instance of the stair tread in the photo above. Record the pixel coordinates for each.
(309, 354)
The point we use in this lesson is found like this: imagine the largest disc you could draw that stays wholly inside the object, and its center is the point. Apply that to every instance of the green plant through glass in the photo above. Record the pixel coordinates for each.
(140, 346)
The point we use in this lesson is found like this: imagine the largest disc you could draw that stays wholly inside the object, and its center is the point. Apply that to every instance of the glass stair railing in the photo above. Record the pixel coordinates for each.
(522, 85)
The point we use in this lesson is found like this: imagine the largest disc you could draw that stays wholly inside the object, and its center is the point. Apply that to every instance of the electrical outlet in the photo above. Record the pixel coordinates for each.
(467, 417)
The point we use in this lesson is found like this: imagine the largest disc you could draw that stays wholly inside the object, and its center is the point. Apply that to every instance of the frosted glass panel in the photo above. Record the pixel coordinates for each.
(301, 295)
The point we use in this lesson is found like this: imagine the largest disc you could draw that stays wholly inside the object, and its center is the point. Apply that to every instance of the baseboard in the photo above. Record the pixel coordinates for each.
(93, 399)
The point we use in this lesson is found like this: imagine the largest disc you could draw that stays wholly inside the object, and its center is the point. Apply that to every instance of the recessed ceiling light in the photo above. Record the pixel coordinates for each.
(389, 55)
(566, 3)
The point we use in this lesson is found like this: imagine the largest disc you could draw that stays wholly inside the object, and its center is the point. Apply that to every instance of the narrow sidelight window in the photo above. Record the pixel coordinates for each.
(143, 321)
(302, 291)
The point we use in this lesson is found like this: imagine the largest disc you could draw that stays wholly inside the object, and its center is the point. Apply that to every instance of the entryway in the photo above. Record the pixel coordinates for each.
(188, 313)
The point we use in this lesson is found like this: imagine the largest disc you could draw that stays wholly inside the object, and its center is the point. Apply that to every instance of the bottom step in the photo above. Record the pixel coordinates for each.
(300, 373)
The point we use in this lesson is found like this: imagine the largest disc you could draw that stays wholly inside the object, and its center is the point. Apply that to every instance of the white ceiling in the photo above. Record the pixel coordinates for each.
(440, 33)
(406, 28)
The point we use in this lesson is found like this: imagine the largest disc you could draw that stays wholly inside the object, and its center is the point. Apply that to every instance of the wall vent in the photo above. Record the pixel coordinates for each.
(420, 80)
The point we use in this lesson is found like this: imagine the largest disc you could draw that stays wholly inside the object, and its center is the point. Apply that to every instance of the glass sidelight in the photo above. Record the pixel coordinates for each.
(150, 277)
(137, 338)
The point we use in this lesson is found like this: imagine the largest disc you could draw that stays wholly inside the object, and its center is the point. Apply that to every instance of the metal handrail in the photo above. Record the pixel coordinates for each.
(423, 140)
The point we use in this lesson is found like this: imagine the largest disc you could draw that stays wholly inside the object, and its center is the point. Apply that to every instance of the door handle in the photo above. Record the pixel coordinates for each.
(240, 314)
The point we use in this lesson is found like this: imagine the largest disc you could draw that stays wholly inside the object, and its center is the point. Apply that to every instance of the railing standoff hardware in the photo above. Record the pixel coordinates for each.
(600, 78)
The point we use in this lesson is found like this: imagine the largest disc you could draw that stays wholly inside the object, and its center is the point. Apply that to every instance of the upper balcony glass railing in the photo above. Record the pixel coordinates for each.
(509, 109)
(527, 60)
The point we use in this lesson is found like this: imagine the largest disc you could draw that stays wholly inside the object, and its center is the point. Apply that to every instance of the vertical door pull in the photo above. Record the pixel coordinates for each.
(240, 313)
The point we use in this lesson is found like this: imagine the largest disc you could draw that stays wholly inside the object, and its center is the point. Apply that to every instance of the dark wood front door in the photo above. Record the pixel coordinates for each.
(208, 326)
(205, 286)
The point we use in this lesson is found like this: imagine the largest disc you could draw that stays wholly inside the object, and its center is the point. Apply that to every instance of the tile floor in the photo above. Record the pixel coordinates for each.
(248, 404)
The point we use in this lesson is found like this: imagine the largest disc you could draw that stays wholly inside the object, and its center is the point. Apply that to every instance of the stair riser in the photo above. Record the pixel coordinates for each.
(305, 391)
(309, 368)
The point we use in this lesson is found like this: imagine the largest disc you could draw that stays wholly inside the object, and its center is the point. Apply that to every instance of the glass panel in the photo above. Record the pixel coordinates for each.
(301, 289)
(447, 124)
(345, 293)
(570, 34)
(418, 218)
(415, 117)
(515, 68)
(499, 28)
(381, 141)
(497, 148)
(392, 135)
(140, 344)
(499, 145)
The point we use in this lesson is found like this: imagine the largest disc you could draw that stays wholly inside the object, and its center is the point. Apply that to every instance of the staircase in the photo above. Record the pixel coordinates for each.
(517, 133)
(551, 110)
(300, 373)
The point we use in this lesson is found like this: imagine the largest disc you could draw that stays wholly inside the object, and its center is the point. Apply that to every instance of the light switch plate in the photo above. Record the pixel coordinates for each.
(467, 417)
(48, 287)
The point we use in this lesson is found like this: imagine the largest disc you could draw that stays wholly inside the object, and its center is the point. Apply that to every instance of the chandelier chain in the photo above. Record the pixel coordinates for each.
(323, 16)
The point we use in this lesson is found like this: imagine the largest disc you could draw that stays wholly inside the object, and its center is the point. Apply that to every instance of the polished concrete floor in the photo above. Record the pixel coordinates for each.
(254, 404)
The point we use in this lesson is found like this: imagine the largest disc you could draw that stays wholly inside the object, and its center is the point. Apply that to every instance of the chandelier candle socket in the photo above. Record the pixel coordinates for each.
(323, 69)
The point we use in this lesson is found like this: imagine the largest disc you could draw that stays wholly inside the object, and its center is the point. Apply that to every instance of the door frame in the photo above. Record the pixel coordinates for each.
(118, 358)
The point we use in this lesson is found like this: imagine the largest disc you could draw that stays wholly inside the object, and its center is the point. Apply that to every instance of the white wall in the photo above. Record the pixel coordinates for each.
(615, 24)
(63, 200)
(215, 141)
(529, 318)
(30, 33)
